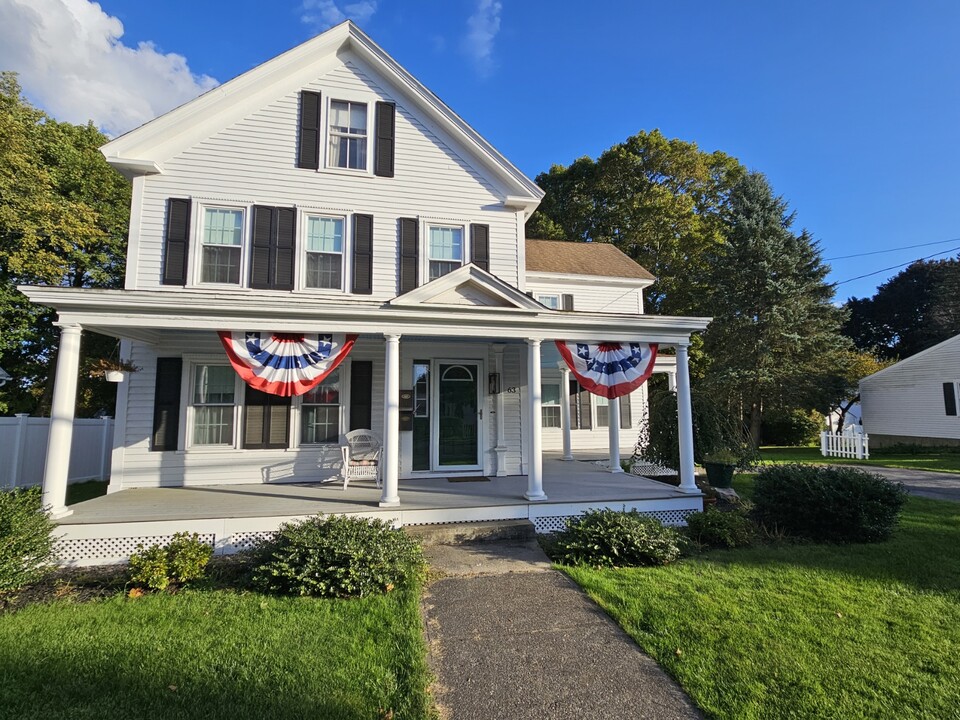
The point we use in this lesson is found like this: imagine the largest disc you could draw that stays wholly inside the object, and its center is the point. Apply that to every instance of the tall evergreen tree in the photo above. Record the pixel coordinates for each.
(775, 331)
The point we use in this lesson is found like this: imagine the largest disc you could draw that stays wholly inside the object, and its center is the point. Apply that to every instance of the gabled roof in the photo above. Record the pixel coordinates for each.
(939, 346)
(143, 150)
(582, 258)
(468, 286)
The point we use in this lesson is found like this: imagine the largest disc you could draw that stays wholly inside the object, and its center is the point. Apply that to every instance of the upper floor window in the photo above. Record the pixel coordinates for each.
(347, 124)
(444, 249)
(324, 248)
(222, 241)
(550, 301)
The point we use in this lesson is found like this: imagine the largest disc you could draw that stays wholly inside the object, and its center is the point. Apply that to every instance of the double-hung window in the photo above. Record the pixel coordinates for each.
(550, 405)
(324, 248)
(603, 411)
(222, 245)
(347, 130)
(550, 301)
(320, 412)
(213, 399)
(444, 249)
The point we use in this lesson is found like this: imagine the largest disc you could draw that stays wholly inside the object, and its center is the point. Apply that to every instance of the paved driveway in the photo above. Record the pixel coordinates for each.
(936, 485)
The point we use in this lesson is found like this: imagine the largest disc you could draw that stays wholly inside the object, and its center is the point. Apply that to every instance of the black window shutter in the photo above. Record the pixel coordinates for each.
(409, 254)
(166, 404)
(566, 302)
(266, 421)
(361, 394)
(273, 249)
(480, 246)
(949, 398)
(625, 420)
(177, 242)
(386, 129)
(586, 418)
(363, 254)
(308, 147)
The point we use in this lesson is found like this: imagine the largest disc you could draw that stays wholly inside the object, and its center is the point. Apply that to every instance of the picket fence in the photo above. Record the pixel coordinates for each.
(847, 445)
(23, 450)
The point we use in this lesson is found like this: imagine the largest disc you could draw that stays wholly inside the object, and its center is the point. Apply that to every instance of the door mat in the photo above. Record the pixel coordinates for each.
(472, 478)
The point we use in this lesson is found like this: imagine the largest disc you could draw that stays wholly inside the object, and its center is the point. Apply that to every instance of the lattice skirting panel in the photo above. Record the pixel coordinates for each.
(111, 548)
(556, 523)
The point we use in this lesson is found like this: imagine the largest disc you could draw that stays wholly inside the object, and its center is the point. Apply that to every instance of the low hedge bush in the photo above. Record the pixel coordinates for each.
(26, 539)
(827, 504)
(337, 556)
(611, 538)
(181, 561)
(721, 528)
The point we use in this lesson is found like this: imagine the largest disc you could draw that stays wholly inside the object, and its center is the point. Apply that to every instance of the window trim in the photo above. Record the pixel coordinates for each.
(195, 271)
(348, 97)
(346, 265)
(440, 222)
(188, 415)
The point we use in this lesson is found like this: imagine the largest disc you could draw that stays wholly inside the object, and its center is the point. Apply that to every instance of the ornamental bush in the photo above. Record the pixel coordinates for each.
(337, 556)
(721, 528)
(827, 504)
(612, 538)
(180, 562)
(26, 539)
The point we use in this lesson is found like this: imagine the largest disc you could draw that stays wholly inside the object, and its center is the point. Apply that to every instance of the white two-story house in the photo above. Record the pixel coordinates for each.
(327, 193)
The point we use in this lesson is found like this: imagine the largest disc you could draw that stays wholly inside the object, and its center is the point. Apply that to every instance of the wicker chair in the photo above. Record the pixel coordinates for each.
(361, 456)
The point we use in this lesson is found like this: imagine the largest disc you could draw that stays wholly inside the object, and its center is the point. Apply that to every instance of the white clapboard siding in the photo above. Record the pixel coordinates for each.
(596, 297)
(906, 399)
(253, 161)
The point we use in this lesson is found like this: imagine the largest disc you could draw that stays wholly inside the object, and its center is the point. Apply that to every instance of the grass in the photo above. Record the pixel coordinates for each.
(937, 461)
(798, 631)
(215, 654)
(78, 492)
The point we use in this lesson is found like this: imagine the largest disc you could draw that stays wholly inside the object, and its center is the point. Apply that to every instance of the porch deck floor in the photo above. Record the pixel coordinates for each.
(578, 481)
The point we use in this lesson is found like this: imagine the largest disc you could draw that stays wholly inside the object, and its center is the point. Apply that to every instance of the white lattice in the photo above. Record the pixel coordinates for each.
(245, 541)
(556, 523)
(112, 549)
(648, 469)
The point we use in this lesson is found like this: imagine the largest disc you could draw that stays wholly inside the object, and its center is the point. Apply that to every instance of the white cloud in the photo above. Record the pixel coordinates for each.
(323, 14)
(482, 29)
(72, 63)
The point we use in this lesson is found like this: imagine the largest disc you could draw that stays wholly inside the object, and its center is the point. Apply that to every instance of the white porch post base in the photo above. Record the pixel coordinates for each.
(534, 491)
(565, 409)
(57, 467)
(390, 496)
(613, 426)
(688, 482)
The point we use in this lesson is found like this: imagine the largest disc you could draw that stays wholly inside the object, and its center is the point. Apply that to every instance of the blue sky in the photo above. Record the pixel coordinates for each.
(852, 109)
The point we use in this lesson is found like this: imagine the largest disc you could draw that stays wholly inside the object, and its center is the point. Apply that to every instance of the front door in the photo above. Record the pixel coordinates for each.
(457, 416)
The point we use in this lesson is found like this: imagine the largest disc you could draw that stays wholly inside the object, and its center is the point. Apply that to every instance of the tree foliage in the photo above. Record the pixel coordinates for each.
(914, 310)
(63, 221)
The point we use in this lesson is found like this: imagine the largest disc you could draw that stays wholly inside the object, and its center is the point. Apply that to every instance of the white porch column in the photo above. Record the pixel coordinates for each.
(672, 381)
(685, 420)
(501, 448)
(565, 409)
(57, 467)
(390, 496)
(534, 441)
(613, 427)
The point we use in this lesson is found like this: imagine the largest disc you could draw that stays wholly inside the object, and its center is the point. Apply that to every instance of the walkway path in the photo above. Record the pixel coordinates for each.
(936, 485)
(511, 638)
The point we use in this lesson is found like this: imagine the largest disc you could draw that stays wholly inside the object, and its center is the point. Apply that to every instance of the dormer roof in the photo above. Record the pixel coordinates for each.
(582, 258)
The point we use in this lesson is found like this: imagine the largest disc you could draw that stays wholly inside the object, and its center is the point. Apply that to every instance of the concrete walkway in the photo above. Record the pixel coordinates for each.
(511, 638)
(936, 485)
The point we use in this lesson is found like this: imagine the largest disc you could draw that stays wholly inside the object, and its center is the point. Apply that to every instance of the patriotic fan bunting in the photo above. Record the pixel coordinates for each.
(285, 364)
(609, 369)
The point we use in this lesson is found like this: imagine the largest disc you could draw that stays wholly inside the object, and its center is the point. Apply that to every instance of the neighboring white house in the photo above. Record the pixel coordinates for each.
(328, 191)
(916, 401)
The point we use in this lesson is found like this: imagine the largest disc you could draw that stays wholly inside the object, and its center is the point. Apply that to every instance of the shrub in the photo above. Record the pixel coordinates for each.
(26, 539)
(610, 538)
(721, 528)
(337, 556)
(827, 504)
(791, 427)
(182, 561)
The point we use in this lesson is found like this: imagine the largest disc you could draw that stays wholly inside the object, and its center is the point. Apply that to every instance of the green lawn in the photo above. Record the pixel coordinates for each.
(78, 492)
(806, 631)
(215, 654)
(937, 461)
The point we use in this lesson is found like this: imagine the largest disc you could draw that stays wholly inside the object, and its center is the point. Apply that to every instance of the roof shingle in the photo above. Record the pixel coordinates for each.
(582, 258)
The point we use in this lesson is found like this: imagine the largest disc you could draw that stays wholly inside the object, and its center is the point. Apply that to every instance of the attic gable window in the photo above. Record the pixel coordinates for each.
(347, 125)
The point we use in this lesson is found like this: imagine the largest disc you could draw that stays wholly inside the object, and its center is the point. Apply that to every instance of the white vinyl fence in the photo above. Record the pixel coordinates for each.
(23, 450)
(847, 445)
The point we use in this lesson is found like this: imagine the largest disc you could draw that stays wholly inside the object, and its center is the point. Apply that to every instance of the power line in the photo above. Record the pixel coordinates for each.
(880, 252)
(894, 267)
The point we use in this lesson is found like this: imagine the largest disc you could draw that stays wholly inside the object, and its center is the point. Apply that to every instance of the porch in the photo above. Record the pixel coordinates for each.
(233, 517)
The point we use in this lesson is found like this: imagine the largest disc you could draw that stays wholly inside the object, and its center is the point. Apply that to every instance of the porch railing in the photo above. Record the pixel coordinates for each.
(847, 445)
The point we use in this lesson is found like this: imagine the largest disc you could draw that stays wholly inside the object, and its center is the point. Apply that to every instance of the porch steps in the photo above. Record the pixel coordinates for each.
(471, 532)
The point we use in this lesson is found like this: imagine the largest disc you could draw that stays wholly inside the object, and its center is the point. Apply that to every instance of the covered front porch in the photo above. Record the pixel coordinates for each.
(232, 517)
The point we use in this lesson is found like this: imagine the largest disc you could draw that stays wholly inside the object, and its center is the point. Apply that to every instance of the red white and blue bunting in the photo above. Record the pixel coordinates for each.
(609, 369)
(285, 364)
